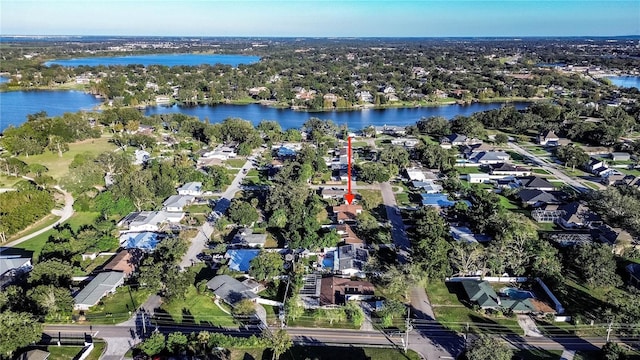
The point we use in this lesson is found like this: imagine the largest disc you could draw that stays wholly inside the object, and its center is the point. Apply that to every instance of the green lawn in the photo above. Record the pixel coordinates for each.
(236, 163)
(326, 353)
(36, 244)
(198, 209)
(371, 198)
(539, 171)
(253, 172)
(508, 204)
(38, 225)
(468, 170)
(454, 315)
(313, 320)
(634, 172)
(359, 144)
(403, 198)
(114, 308)
(59, 166)
(537, 354)
(195, 308)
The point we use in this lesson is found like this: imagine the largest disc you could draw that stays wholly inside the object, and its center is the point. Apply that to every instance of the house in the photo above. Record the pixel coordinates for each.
(246, 237)
(481, 293)
(177, 203)
(613, 177)
(535, 182)
(221, 152)
(547, 213)
(191, 188)
(348, 235)
(350, 260)
(462, 233)
(408, 143)
(548, 138)
(537, 198)
(100, 286)
(449, 141)
(478, 178)
(634, 274)
(614, 236)
(332, 193)
(427, 186)
(439, 200)
(577, 215)
(390, 130)
(414, 174)
(284, 152)
(11, 267)
(508, 170)
(596, 163)
(346, 212)
(337, 291)
(230, 290)
(140, 157)
(147, 240)
(620, 156)
(490, 157)
(125, 261)
(240, 259)
(149, 220)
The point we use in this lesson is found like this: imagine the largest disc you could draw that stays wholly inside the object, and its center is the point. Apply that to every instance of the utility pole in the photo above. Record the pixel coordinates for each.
(408, 328)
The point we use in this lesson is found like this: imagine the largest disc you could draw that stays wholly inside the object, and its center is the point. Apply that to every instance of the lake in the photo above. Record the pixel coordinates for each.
(625, 81)
(357, 119)
(16, 105)
(159, 59)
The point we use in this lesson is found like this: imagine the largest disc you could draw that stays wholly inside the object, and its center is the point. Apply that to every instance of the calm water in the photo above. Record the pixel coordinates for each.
(16, 105)
(626, 81)
(354, 119)
(160, 59)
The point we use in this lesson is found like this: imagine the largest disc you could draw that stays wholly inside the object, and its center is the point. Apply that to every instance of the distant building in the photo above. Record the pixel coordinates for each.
(350, 260)
(141, 157)
(177, 203)
(125, 261)
(620, 156)
(246, 237)
(191, 188)
(149, 220)
(548, 138)
(146, 241)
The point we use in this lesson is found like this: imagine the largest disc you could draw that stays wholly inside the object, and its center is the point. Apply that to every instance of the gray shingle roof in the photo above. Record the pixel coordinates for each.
(229, 289)
(101, 285)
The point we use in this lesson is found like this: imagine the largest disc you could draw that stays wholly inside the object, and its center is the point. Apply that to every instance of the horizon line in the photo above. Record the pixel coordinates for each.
(329, 37)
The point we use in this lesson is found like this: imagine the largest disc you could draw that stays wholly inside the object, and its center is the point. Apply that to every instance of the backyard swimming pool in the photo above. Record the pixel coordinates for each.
(518, 294)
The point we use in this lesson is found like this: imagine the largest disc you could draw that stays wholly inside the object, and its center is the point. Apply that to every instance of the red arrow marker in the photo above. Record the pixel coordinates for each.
(349, 195)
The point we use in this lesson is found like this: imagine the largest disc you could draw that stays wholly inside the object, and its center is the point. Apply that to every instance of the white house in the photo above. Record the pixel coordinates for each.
(191, 188)
(548, 138)
(177, 203)
(141, 157)
(149, 220)
(408, 143)
(491, 157)
(479, 178)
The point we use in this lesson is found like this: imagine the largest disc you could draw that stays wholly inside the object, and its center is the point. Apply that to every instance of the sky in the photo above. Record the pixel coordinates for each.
(314, 18)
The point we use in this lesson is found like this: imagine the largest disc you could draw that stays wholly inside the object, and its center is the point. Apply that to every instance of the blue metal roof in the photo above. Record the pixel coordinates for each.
(143, 240)
(239, 260)
(440, 200)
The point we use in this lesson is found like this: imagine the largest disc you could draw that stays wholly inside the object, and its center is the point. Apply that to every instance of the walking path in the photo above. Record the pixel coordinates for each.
(65, 213)
(567, 354)
(528, 325)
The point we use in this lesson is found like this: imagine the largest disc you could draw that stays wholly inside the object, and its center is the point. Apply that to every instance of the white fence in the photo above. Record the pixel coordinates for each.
(268, 302)
(494, 279)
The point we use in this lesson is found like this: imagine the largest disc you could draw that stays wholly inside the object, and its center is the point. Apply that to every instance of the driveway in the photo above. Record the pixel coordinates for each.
(554, 169)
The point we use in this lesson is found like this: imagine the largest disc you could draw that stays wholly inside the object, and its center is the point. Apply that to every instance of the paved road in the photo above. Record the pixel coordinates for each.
(398, 232)
(199, 242)
(65, 213)
(553, 169)
(426, 334)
